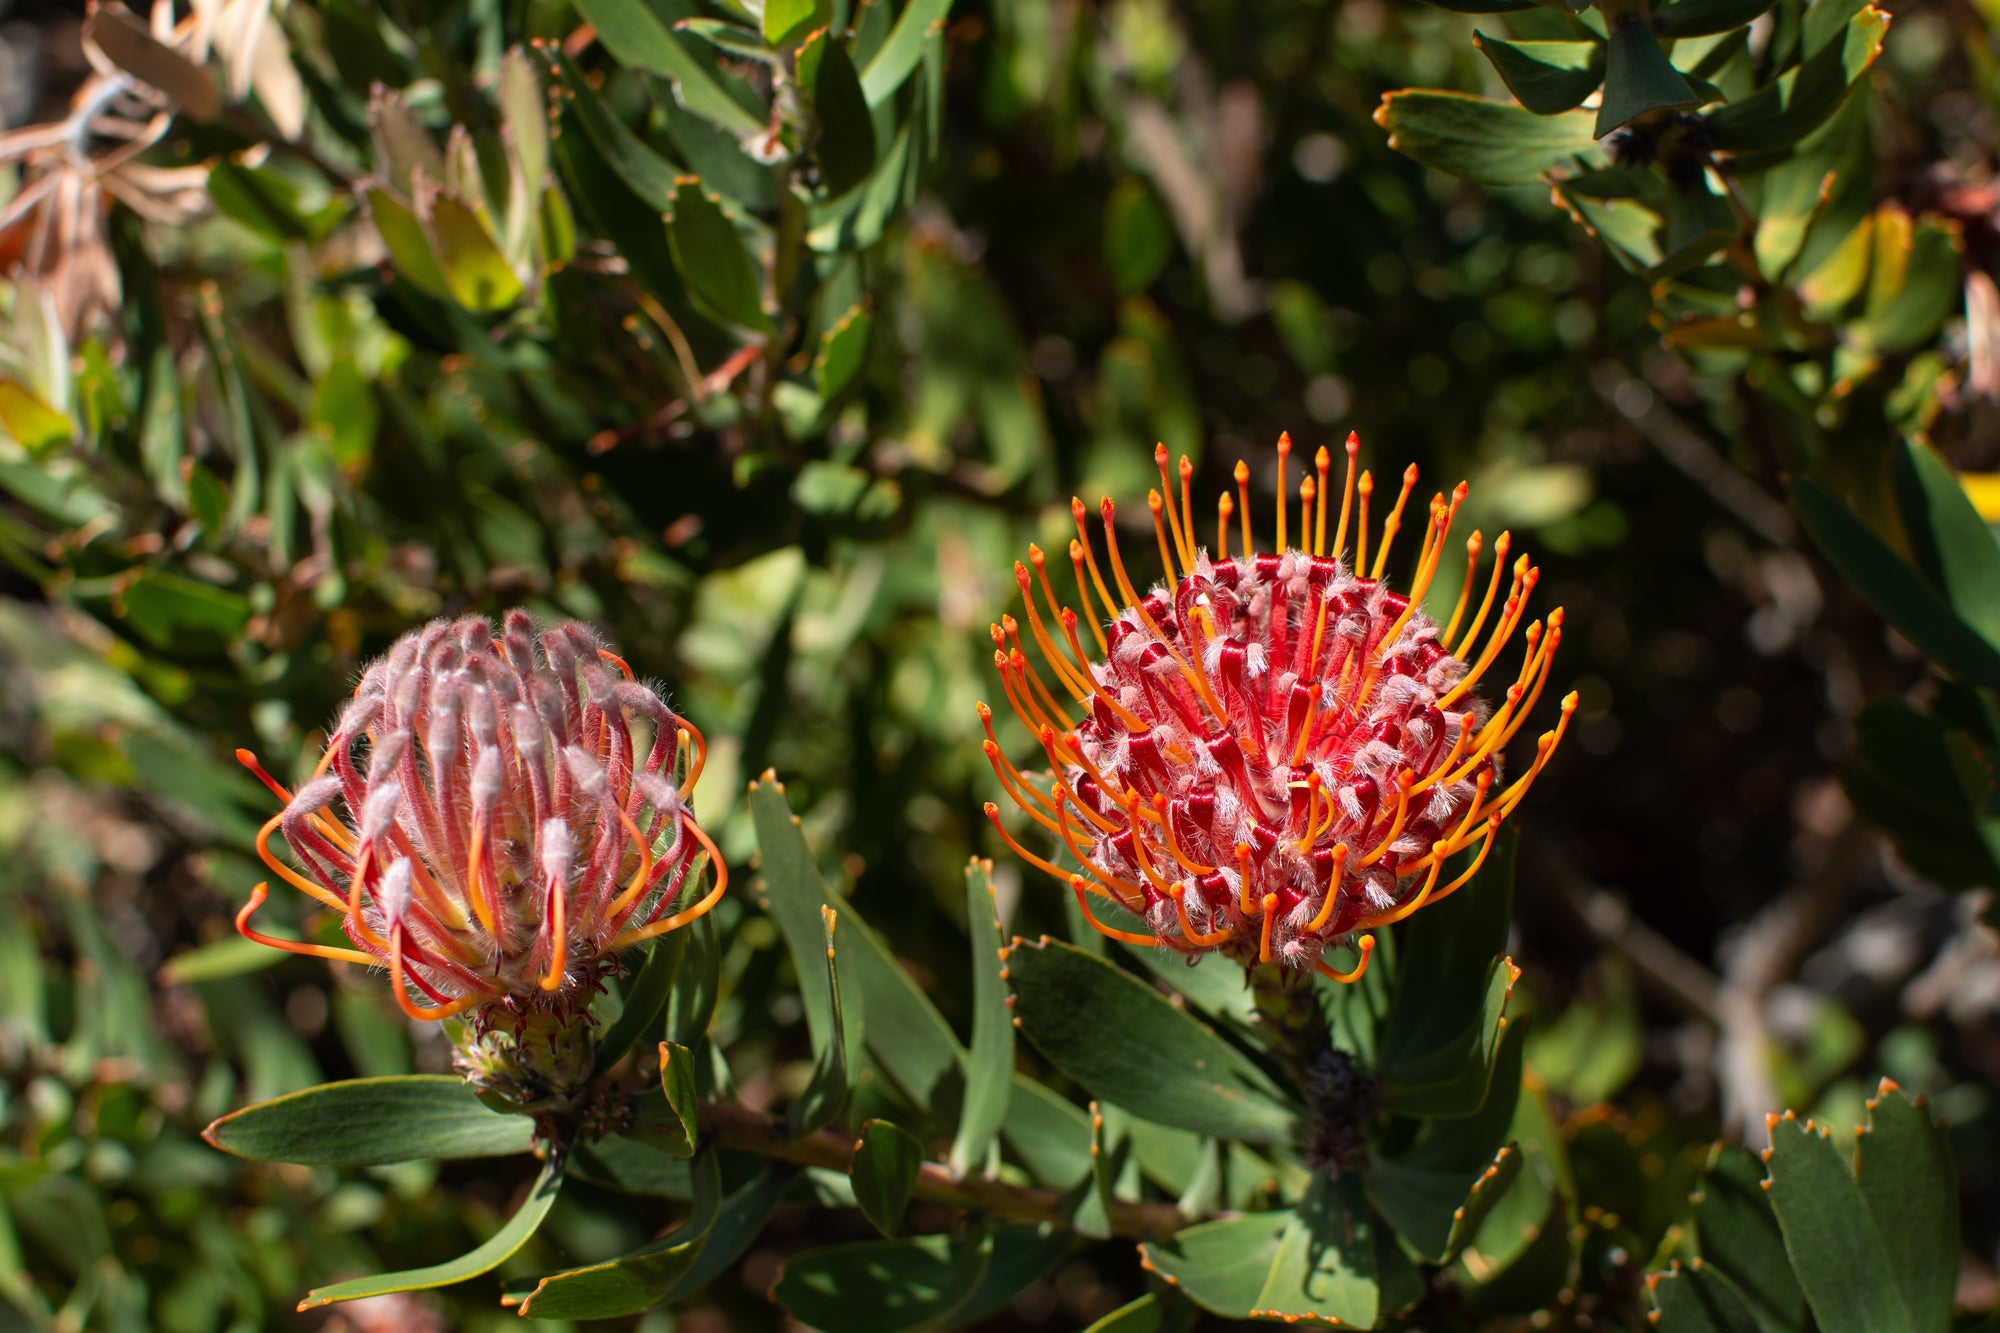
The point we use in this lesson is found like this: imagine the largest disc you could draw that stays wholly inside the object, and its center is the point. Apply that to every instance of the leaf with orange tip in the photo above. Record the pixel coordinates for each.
(1902, 1161)
(1695, 1298)
(1737, 1236)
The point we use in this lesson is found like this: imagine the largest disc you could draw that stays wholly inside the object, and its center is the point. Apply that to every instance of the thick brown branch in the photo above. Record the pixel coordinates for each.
(750, 1131)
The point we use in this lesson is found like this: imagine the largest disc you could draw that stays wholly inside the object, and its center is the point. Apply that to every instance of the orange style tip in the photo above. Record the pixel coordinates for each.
(1160, 452)
(1075, 549)
(1034, 553)
(1307, 489)
(1474, 542)
(1153, 501)
(992, 749)
(1007, 623)
(985, 713)
(1460, 491)
(1106, 507)
(247, 759)
(1021, 575)
(992, 811)
(1322, 458)
(1076, 506)
(1410, 475)
(1187, 467)
(1353, 442)
(1569, 702)
(1068, 618)
(1284, 441)
(1242, 471)
(1367, 483)
(1225, 504)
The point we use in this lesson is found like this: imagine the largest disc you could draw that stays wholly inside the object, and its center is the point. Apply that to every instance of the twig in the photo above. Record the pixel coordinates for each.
(738, 1127)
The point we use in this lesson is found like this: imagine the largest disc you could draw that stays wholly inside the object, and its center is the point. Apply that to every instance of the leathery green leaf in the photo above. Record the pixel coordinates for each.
(677, 1133)
(32, 423)
(1128, 1045)
(636, 38)
(1897, 592)
(843, 351)
(712, 259)
(638, 1280)
(646, 993)
(1324, 1265)
(1705, 18)
(1698, 1299)
(900, 55)
(1953, 545)
(1546, 77)
(886, 1161)
(1492, 143)
(1221, 1266)
(1638, 78)
(1835, 1247)
(884, 1286)
(823, 1098)
(989, 1076)
(1902, 1162)
(1140, 1316)
(498, 1249)
(476, 271)
(369, 1121)
(1738, 1237)
(846, 146)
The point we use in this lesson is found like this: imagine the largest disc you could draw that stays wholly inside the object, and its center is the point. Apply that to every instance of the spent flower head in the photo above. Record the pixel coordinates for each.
(488, 828)
(1271, 753)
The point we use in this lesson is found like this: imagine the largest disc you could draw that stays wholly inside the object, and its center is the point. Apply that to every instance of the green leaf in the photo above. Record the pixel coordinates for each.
(1793, 105)
(1738, 1237)
(1483, 6)
(636, 38)
(344, 412)
(1050, 1136)
(900, 55)
(637, 1280)
(1491, 143)
(846, 144)
(1442, 1033)
(824, 1097)
(259, 198)
(1831, 1236)
(404, 238)
(475, 268)
(1221, 1266)
(740, 1221)
(784, 21)
(1598, 1043)
(229, 957)
(1909, 313)
(797, 898)
(884, 1286)
(369, 1121)
(1705, 18)
(170, 610)
(1697, 1299)
(524, 120)
(691, 1004)
(637, 163)
(712, 260)
(1092, 1215)
(1436, 1191)
(677, 1134)
(843, 352)
(646, 993)
(1902, 1161)
(1638, 78)
(1140, 1316)
(29, 421)
(1128, 1045)
(989, 1077)
(1952, 544)
(884, 1172)
(1324, 1267)
(1138, 239)
(498, 1249)
(1897, 592)
(1545, 77)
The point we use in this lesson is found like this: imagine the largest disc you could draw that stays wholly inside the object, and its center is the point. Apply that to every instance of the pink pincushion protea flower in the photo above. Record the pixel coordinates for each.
(485, 825)
(1275, 752)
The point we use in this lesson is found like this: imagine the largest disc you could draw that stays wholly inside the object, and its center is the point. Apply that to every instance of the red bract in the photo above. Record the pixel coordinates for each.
(484, 825)
(1276, 753)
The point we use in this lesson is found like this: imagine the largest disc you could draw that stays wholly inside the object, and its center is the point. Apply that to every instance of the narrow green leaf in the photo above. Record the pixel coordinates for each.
(1697, 1299)
(1830, 1234)
(1793, 105)
(846, 144)
(1902, 1161)
(644, 170)
(1545, 77)
(1092, 1215)
(1932, 273)
(524, 120)
(989, 1077)
(229, 957)
(712, 259)
(697, 984)
(824, 1097)
(903, 51)
(637, 1280)
(1050, 1136)
(794, 894)
(1738, 1237)
(646, 993)
(636, 38)
(1140, 1316)
(1324, 1267)
(884, 1286)
(369, 1121)
(29, 421)
(1123, 1041)
(1952, 544)
(1221, 1266)
(843, 352)
(1897, 592)
(740, 1221)
(677, 1134)
(785, 21)
(886, 1160)
(1491, 143)
(498, 1249)
(1638, 78)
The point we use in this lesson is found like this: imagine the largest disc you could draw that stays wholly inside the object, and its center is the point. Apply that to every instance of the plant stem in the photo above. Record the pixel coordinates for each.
(1288, 1010)
(738, 1127)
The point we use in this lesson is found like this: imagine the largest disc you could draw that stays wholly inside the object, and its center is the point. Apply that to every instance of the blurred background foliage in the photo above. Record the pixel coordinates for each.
(335, 319)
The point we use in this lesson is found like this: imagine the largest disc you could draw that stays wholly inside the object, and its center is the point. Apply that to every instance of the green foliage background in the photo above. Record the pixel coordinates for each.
(1065, 232)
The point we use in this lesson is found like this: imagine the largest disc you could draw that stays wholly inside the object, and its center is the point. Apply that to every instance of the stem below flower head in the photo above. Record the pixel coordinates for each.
(738, 1127)
(1288, 1009)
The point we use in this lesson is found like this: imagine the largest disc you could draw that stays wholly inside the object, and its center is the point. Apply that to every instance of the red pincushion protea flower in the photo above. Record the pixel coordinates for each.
(485, 826)
(1272, 753)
